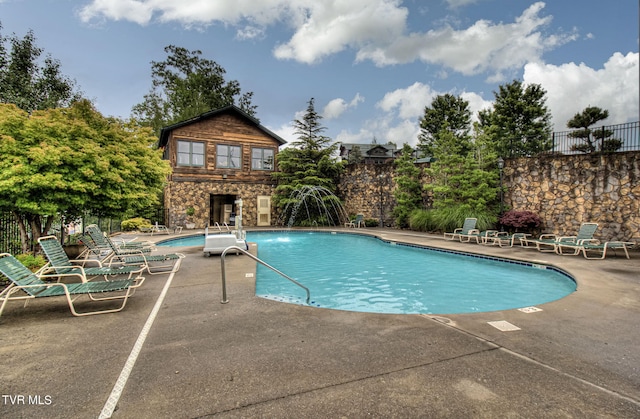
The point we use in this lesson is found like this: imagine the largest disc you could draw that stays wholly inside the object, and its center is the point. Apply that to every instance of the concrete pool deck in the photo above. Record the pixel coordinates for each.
(176, 352)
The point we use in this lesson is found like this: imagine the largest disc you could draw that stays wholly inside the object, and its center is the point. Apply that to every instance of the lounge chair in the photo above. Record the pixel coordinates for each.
(505, 239)
(588, 247)
(468, 227)
(160, 229)
(154, 263)
(549, 242)
(59, 263)
(105, 243)
(357, 222)
(30, 286)
(481, 237)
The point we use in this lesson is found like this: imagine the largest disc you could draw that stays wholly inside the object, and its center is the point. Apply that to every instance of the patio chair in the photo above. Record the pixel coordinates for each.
(503, 239)
(159, 228)
(588, 247)
(105, 243)
(481, 237)
(29, 286)
(60, 263)
(468, 227)
(153, 263)
(550, 242)
(357, 222)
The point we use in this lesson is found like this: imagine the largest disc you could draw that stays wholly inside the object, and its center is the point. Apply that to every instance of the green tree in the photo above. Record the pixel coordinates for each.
(309, 162)
(448, 113)
(458, 180)
(592, 140)
(186, 85)
(29, 83)
(408, 192)
(66, 161)
(520, 121)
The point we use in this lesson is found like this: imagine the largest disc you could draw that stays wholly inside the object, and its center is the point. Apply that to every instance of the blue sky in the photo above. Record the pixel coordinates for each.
(371, 65)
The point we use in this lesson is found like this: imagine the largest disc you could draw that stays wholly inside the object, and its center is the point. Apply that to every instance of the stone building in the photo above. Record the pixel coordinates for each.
(218, 158)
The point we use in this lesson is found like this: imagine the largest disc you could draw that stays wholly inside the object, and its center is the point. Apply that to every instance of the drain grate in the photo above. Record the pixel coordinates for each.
(504, 326)
(530, 309)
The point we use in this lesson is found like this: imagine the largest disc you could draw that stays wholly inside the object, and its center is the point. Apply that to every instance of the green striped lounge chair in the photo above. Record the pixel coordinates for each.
(59, 263)
(26, 285)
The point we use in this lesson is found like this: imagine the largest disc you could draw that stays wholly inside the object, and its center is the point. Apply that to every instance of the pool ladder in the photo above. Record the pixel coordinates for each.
(236, 249)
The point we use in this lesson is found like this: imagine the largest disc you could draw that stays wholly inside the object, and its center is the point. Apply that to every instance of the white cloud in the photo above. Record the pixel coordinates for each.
(484, 46)
(332, 27)
(476, 103)
(286, 132)
(384, 129)
(191, 13)
(250, 32)
(338, 106)
(459, 3)
(572, 87)
(374, 29)
(409, 102)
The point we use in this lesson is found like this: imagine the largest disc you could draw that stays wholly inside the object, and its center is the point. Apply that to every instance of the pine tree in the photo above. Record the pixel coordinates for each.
(520, 121)
(447, 113)
(592, 140)
(408, 193)
(309, 162)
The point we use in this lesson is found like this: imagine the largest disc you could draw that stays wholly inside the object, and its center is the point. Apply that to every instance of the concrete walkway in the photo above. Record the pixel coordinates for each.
(176, 352)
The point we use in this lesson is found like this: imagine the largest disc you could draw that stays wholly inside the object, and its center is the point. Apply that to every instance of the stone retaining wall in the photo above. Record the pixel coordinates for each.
(564, 190)
(569, 190)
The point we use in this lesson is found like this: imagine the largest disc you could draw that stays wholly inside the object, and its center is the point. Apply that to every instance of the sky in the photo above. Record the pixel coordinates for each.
(372, 66)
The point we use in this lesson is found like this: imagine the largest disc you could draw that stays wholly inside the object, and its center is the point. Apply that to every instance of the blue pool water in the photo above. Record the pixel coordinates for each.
(362, 273)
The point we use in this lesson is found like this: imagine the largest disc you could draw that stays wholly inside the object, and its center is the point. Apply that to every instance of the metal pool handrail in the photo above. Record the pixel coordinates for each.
(243, 251)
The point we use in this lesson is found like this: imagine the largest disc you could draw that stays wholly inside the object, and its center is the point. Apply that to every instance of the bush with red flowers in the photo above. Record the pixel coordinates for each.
(520, 221)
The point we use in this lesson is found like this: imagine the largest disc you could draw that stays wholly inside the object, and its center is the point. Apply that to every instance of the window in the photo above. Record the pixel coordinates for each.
(190, 153)
(262, 159)
(228, 156)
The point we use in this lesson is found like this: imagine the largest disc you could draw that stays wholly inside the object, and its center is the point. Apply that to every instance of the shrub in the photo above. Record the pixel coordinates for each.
(422, 220)
(135, 224)
(371, 222)
(450, 218)
(32, 262)
(520, 220)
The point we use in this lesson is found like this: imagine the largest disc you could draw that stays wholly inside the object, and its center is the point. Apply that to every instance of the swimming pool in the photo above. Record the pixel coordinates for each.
(363, 273)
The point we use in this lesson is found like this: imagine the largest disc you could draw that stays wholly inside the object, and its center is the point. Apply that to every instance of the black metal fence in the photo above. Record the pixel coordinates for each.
(10, 241)
(10, 235)
(604, 139)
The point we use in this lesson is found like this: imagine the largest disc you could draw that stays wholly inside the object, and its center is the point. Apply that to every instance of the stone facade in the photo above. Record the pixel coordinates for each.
(569, 190)
(368, 189)
(181, 195)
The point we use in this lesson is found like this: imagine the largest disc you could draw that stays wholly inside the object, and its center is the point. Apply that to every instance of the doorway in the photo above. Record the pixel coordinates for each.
(222, 209)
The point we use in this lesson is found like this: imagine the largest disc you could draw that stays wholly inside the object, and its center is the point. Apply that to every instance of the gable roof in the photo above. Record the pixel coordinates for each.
(369, 150)
(165, 131)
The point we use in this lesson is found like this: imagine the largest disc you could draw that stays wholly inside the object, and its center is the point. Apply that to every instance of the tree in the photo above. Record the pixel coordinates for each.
(458, 180)
(66, 161)
(519, 122)
(186, 85)
(308, 162)
(29, 84)
(592, 140)
(408, 193)
(447, 113)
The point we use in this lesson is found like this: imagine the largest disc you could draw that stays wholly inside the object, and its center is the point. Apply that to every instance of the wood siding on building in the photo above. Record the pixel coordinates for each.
(227, 129)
